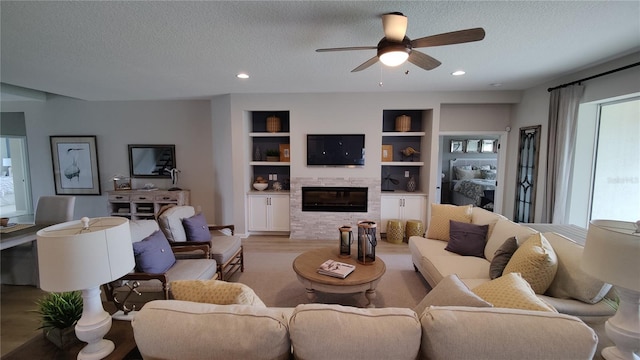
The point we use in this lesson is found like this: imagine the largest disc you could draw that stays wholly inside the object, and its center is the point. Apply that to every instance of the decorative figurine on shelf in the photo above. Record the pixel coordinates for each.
(411, 184)
(409, 152)
(386, 180)
(174, 178)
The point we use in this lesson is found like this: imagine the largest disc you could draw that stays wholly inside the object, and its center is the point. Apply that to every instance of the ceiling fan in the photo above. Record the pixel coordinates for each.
(395, 47)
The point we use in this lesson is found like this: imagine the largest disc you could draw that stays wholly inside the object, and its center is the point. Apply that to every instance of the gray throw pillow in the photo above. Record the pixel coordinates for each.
(467, 239)
(153, 254)
(502, 256)
(450, 291)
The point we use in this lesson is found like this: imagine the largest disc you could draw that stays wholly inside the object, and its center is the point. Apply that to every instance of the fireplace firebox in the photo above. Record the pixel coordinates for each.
(335, 199)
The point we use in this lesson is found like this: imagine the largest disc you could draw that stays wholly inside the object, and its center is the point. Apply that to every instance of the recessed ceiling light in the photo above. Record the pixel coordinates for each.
(242, 76)
(458, 73)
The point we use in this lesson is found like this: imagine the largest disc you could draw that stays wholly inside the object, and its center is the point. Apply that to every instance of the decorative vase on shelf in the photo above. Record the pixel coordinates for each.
(411, 184)
(257, 155)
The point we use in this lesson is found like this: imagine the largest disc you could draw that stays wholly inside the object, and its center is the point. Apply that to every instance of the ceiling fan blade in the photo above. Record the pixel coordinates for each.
(454, 37)
(423, 60)
(394, 26)
(348, 48)
(366, 64)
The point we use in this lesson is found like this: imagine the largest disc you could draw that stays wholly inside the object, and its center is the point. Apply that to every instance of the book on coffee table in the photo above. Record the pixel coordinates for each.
(336, 269)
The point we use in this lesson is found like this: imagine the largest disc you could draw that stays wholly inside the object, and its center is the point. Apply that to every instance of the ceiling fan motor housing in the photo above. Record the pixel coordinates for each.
(385, 45)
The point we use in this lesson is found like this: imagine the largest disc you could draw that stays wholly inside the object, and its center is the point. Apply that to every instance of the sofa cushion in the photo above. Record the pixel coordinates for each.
(441, 214)
(467, 239)
(536, 261)
(503, 230)
(466, 267)
(215, 292)
(451, 291)
(196, 228)
(170, 222)
(570, 281)
(503, 334)
(187, 330)
(153, 254)
(511, 291)
(480, 216)
(320, 331)
(502, 256)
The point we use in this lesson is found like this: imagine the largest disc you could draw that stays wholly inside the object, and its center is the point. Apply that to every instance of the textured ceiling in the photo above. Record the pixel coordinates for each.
(137, 50)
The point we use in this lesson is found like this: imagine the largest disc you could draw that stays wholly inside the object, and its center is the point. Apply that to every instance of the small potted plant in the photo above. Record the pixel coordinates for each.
(273, 155)
(60, 312)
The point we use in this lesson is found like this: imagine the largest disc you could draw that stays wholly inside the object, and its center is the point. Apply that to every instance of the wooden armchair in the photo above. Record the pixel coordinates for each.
(225, 248)
(137, 288)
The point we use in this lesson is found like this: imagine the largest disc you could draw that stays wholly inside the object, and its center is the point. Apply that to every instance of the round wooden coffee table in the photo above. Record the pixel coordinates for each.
(363, 278)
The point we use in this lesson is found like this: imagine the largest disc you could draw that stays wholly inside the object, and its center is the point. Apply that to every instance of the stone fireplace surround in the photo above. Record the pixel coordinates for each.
(312, 225)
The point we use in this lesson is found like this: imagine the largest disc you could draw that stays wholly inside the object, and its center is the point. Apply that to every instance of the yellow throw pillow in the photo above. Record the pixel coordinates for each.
(440, 216)
(215, 292)
(511, 291)
(536, 261)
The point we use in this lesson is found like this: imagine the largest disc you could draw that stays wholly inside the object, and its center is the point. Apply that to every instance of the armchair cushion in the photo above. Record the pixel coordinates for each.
(153, 254)
(170, 222)
(196, 229)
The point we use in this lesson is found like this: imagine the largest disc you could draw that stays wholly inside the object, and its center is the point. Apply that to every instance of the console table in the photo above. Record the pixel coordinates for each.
(39, 347)
(144, 204)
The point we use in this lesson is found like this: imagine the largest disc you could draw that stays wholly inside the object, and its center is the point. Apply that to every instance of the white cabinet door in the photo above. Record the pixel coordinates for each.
(390, 208)
(258, 211)
(414, 208)
(279, 212)
(269, 212)
(402, 207)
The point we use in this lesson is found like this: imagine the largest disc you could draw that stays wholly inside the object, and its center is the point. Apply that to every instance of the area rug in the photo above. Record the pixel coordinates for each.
(271, 276)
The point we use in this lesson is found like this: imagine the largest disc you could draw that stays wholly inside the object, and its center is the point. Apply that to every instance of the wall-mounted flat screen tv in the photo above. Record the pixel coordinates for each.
(335, 150)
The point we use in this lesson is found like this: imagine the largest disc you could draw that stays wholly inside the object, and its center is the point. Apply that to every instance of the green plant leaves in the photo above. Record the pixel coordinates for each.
(60, 310)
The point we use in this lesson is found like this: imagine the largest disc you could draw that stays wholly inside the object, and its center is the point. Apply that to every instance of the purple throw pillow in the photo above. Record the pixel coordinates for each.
(467, 239)
(153, 254)
(196, 228)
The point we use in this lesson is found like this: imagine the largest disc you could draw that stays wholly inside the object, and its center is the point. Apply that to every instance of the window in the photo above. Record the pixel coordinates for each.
(15, 187)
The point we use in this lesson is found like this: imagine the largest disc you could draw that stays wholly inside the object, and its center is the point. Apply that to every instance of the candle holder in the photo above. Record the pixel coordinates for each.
(346, 239)
(367, 242)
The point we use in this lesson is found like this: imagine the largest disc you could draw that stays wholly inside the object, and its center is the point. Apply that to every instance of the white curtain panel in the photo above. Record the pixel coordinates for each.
(563, 114)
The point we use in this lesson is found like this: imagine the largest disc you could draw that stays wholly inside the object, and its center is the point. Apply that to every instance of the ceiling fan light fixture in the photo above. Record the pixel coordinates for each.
(394, 58)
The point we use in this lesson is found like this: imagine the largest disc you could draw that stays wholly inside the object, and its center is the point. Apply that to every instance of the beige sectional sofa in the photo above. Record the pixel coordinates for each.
(174, 329)
(571, 292)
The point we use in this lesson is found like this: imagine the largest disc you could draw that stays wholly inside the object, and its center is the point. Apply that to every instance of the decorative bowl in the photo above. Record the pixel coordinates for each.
(260, 186)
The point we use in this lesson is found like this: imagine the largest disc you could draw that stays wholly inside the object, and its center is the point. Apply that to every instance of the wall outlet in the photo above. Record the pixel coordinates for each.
(270, 176)
(275, 177)
(406, 173)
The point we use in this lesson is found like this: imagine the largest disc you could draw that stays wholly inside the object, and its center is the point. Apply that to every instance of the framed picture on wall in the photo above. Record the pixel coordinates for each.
(75, 165)
(473, 146)
(457, 146)
(387, 153)
(487, 146)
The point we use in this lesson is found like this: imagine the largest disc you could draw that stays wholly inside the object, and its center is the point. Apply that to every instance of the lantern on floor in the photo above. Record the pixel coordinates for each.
(346, 238)
(367, 242)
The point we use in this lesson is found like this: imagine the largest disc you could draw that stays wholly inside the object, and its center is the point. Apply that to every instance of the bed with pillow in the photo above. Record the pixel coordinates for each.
(472, 179)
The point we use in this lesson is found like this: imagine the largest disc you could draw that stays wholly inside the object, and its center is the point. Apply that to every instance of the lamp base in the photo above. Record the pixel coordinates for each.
(613, 353)
(120, 315)
(96, 351)
(624, 327)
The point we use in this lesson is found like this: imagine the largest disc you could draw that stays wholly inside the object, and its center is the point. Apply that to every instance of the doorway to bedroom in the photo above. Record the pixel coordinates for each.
(471, 169)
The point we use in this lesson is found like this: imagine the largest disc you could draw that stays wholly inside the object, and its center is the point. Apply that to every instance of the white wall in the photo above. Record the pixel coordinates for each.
(187, 124)
(534, 110)
(341, 113)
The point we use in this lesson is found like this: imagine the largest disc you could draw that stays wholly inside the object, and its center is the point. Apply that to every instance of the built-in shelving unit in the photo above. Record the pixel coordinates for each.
(397, 165)
(262, 141)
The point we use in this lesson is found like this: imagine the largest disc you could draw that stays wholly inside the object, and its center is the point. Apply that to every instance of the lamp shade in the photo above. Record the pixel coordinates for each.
(72, 256)
(612, 253)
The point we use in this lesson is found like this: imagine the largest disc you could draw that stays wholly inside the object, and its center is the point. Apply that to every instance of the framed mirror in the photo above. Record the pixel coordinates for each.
(151, 161)
(472, 146)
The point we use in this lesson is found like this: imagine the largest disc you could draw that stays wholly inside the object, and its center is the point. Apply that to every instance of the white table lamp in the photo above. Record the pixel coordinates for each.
(82, 255)
(612, 254)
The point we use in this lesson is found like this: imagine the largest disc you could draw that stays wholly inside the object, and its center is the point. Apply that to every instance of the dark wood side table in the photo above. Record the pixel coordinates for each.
(39, 347)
